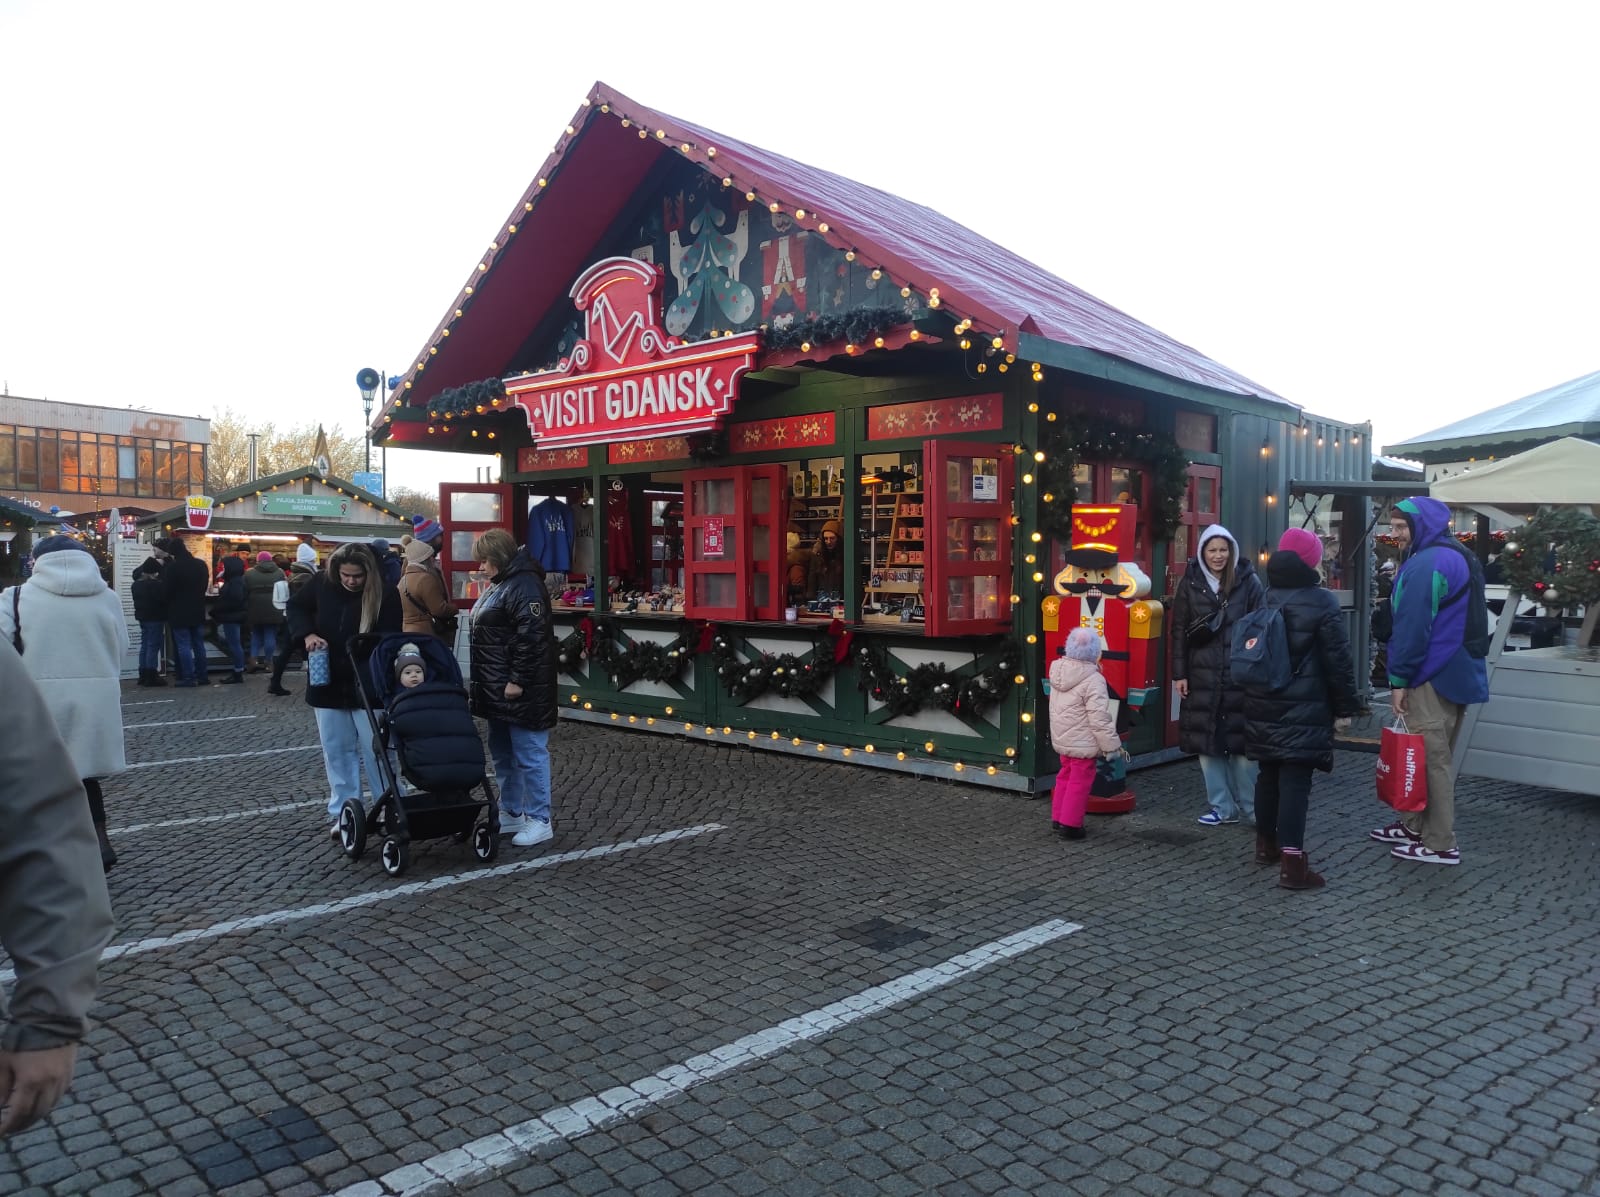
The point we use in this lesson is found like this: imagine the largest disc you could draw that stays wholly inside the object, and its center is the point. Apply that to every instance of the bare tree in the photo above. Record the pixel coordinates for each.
(277, 450)
(414, 502)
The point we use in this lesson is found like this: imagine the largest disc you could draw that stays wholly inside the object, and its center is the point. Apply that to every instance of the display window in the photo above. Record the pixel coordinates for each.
(733, 526)
(968, 550)
(1114, 482)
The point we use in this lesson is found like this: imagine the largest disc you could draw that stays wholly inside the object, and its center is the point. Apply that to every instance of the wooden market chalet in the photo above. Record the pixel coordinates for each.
(692, 356)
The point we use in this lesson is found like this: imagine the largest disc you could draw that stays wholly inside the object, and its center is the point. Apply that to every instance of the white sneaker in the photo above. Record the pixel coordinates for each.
(511, 824)
(533, 833)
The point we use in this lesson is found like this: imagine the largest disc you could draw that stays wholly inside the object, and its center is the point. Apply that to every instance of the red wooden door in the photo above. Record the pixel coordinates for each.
(716, 552)
(466, 510)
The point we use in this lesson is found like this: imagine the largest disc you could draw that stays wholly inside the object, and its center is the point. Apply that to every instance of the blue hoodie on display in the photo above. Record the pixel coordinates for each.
(1429, 628)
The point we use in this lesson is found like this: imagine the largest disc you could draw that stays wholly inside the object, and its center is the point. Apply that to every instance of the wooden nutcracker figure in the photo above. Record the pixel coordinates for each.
(1103, 588)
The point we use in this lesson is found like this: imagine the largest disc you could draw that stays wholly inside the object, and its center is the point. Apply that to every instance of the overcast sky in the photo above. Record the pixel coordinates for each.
(1380, 211)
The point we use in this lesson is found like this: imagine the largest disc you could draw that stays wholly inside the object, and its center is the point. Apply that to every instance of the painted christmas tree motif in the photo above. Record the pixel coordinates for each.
(708, 268)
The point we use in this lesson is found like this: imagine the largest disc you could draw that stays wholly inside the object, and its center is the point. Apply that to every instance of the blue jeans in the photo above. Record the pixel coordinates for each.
(231, 642)
(152, 634)
(522, 767)
(190, 646)
(347, 750)
(263, 641)
(1230, 785)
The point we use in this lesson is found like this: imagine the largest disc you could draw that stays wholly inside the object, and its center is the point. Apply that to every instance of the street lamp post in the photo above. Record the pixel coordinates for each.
(368, 381)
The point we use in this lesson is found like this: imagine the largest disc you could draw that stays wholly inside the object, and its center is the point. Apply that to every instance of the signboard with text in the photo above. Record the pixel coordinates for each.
(315, 505)
(711, 544)
(197, 512)
(370, 481)
(627, 378)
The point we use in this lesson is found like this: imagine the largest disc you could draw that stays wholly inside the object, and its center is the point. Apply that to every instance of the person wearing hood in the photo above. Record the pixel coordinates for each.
(230, 610)
(1290, 731)
(389, 563)
(797, 568)
(1432, 676)
(260, 580)
(422, 595)
(301, 572)
(1082, 729)
(1218, 587)
(70, 630)
(825, 571)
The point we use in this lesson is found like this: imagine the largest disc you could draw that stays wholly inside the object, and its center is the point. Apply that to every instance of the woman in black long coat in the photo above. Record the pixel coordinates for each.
(514, 682)
(1219, 586)
(1290, 731)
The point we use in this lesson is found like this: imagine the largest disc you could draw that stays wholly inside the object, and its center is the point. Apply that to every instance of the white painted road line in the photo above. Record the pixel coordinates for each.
(237, 814)
(275, 918)
(186, 722)
(225, 756)
(154, 702)
(506, 1148)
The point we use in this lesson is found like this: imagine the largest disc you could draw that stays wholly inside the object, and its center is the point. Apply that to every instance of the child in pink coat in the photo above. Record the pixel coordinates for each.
(1081, 728)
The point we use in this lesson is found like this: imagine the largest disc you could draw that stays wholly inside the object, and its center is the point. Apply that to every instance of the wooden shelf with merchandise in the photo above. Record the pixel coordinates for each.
(898, 578)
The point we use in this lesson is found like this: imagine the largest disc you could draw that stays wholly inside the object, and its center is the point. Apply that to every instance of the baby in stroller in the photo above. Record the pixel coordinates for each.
(417, 706)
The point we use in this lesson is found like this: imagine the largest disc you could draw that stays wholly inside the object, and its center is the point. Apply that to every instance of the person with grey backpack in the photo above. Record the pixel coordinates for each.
(1292, 658)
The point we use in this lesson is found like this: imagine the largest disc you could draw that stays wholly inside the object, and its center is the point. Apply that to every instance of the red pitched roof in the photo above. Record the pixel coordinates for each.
(601, 161)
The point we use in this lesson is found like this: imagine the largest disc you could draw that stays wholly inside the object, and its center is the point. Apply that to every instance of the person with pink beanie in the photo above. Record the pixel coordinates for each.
(1290, 731)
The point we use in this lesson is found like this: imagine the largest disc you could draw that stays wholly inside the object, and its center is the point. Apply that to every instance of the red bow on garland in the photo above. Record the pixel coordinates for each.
(842, 637)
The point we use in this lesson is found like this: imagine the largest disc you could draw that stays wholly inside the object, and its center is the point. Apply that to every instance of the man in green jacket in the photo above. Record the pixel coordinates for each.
(55, 915)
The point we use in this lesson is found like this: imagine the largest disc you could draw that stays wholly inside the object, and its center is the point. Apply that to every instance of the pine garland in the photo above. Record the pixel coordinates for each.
(932, 685)
(1574, 577)
(1080, 434)
(641, 660)
(465, 400)
(569, 652)
(855, 327)
(790, 675)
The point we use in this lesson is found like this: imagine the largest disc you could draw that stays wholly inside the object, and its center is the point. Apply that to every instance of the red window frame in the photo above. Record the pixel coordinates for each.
(939, 510)
(739, 561)
(451, 562)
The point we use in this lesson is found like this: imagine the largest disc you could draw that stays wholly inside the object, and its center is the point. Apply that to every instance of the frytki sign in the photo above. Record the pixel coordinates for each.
(627, 377)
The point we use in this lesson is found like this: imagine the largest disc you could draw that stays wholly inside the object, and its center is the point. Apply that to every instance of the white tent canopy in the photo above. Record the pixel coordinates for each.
(1564, 471)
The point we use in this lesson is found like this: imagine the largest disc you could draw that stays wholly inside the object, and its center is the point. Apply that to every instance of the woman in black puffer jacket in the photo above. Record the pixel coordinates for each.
(514, 682)
(1218, 587)
(1290, 731)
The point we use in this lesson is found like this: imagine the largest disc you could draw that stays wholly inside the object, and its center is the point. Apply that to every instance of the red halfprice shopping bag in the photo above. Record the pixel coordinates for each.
(1402, 769)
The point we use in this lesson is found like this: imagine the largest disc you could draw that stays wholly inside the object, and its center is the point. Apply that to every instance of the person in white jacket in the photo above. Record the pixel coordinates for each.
(1081, 728)
(68, 626)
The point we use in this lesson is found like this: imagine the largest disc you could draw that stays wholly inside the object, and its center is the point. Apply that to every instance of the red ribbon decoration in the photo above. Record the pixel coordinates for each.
(586, 626)
(841, 640)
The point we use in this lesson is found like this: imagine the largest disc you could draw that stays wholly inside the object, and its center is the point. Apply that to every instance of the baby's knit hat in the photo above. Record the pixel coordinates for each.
(409, 654)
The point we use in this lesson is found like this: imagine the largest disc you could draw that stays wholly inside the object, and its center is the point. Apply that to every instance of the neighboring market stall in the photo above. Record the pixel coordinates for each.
(1539, 725)
(276, 513)
(696, 359)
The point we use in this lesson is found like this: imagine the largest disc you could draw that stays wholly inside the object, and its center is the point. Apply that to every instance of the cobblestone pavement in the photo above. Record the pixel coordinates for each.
(803, 994)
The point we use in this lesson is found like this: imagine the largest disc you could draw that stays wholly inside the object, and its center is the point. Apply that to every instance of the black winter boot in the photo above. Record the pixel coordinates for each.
(1294, 871)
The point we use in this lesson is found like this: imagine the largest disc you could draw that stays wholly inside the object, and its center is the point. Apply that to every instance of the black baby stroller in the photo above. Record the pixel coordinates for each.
(441, 757)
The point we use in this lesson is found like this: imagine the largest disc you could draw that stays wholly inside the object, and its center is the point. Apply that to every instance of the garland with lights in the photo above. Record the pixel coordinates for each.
(642, 660)
(932, 685)
(1574, 579)
(465, 400)
(1080, 434)
(789, 675)
(854, 327)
